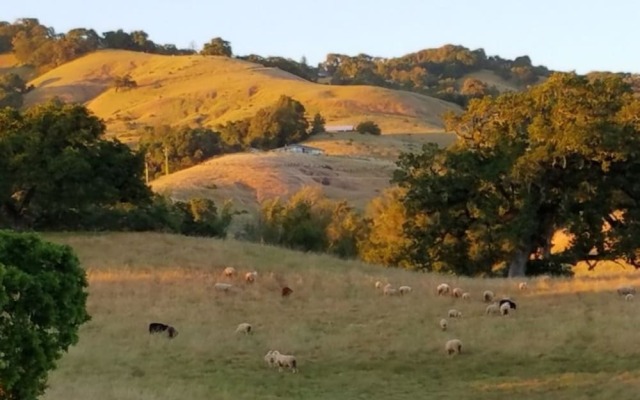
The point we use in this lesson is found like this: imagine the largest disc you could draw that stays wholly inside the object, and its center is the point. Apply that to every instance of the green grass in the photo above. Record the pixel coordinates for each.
(569, 339)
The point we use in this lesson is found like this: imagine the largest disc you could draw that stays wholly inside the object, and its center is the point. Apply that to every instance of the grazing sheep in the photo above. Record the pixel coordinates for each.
(504, 308)
(443, 324)
(224, 287)
(454, 313)
(286, 291)
(244, 328)
(457, 292)
(270, 359)
(229, 271)
(157, 327)
(404, 289)
(466, 296)
(508, 301)
(389, 291)
(625, 290)
(629, 297)
(488, 296)
(453, 346)
(522, 285)
(493, 308)
(443, 289)
(250, 277)
(378, 284)
(285, 361)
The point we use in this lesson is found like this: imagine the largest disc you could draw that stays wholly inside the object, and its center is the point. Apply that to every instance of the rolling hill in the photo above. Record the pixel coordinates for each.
(210, 90)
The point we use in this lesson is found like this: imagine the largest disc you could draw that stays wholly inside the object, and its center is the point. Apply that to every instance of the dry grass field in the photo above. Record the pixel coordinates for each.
(211, 90)
(568, 339)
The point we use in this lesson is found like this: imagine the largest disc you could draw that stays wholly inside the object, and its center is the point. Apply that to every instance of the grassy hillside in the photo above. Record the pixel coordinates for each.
(211, 90)
(9, 65)
(568, 339)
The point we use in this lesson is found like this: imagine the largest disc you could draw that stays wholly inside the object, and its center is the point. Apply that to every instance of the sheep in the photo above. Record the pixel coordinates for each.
(378, 285)
(229, 271)
(625, 290)
(389, 291)
(629, 297)
(286, 291)
(466, 296)
(250, 277)
(493, 308)
(157, 327)
(443, 289)
(504, 308)
(522, 285)
(404, 289)
(269, 358)
(488, 296)
(453, 346)
(285, 361)
(443, 324)
(456, 292)
(508, 301)
(244, 328)
(224, 287)
(454, 313)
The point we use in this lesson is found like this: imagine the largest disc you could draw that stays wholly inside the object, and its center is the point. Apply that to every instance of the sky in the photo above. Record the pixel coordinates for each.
(564, 35)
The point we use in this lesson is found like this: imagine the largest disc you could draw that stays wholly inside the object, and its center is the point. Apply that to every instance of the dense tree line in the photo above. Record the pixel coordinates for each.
(40, 46)
(169, 149)
(57, 171)
(301, 69)
(433, 72)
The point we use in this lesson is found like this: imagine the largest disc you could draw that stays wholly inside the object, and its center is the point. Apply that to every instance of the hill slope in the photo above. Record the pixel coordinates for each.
(211, 90)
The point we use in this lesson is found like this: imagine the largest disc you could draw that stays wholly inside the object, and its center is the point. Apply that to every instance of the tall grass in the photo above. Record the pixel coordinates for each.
(568, 339)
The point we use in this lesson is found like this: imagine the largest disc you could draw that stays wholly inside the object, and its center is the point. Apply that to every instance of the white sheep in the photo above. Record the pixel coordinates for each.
(522, 285)
(270, 359)
(453, 346)
(285, 361)
(453, 313)
(466, 296)
(244, 328)
(229, 271)
(625, 290)
(389, 291)
(488, 296)
(250, 277)
(224, 287)
(404, 289)
(629, 297)
(443, 324)
(504, 308)
(443, 289)
(493, 308)
(457, 292)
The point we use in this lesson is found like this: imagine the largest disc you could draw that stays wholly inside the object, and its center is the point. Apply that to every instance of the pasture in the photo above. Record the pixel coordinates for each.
(568, 338)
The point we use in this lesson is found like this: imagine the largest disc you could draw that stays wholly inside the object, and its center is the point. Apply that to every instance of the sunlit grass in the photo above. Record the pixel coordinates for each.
(569, 339)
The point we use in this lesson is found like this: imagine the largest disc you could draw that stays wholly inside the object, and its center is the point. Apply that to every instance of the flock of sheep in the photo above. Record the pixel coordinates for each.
(505, 306)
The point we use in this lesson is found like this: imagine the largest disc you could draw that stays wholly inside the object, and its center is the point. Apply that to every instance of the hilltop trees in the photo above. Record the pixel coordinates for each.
(561, 156)
(217, 47)
(43, 303)
(283, 123)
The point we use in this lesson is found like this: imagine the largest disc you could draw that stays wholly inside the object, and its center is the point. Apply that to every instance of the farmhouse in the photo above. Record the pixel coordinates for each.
(300, 148)
(339, 128)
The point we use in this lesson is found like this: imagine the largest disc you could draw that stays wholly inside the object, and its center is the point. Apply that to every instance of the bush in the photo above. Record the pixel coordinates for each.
(369, 127)
(43, 301)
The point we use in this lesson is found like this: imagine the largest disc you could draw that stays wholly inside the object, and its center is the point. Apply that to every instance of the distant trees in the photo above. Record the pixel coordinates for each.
(283, 123)
(12, 87)
(300, 69)
(217, 47)
(369, 127)
(124, 82)
(317, 125)
(43, 303)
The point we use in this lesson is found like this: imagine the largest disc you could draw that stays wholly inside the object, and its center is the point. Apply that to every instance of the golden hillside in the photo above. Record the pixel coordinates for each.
(210, 90)
(9, 65)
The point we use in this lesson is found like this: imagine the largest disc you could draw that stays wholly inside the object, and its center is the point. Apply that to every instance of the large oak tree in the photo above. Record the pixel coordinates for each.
(564, 155)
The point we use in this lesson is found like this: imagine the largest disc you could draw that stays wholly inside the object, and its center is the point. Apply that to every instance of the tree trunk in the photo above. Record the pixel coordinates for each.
(518, 264)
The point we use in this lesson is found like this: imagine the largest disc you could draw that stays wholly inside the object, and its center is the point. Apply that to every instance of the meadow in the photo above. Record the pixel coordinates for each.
(569, 338)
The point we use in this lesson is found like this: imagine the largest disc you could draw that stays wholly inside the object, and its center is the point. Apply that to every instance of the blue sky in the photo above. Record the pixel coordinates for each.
(566, 35)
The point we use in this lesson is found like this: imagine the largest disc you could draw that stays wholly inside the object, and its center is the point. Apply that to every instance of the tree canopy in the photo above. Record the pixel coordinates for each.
(43, 303)
(561, 156)
(217, 47)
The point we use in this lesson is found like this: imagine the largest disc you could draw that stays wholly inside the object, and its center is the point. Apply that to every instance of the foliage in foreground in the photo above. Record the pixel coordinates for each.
(43, 303)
